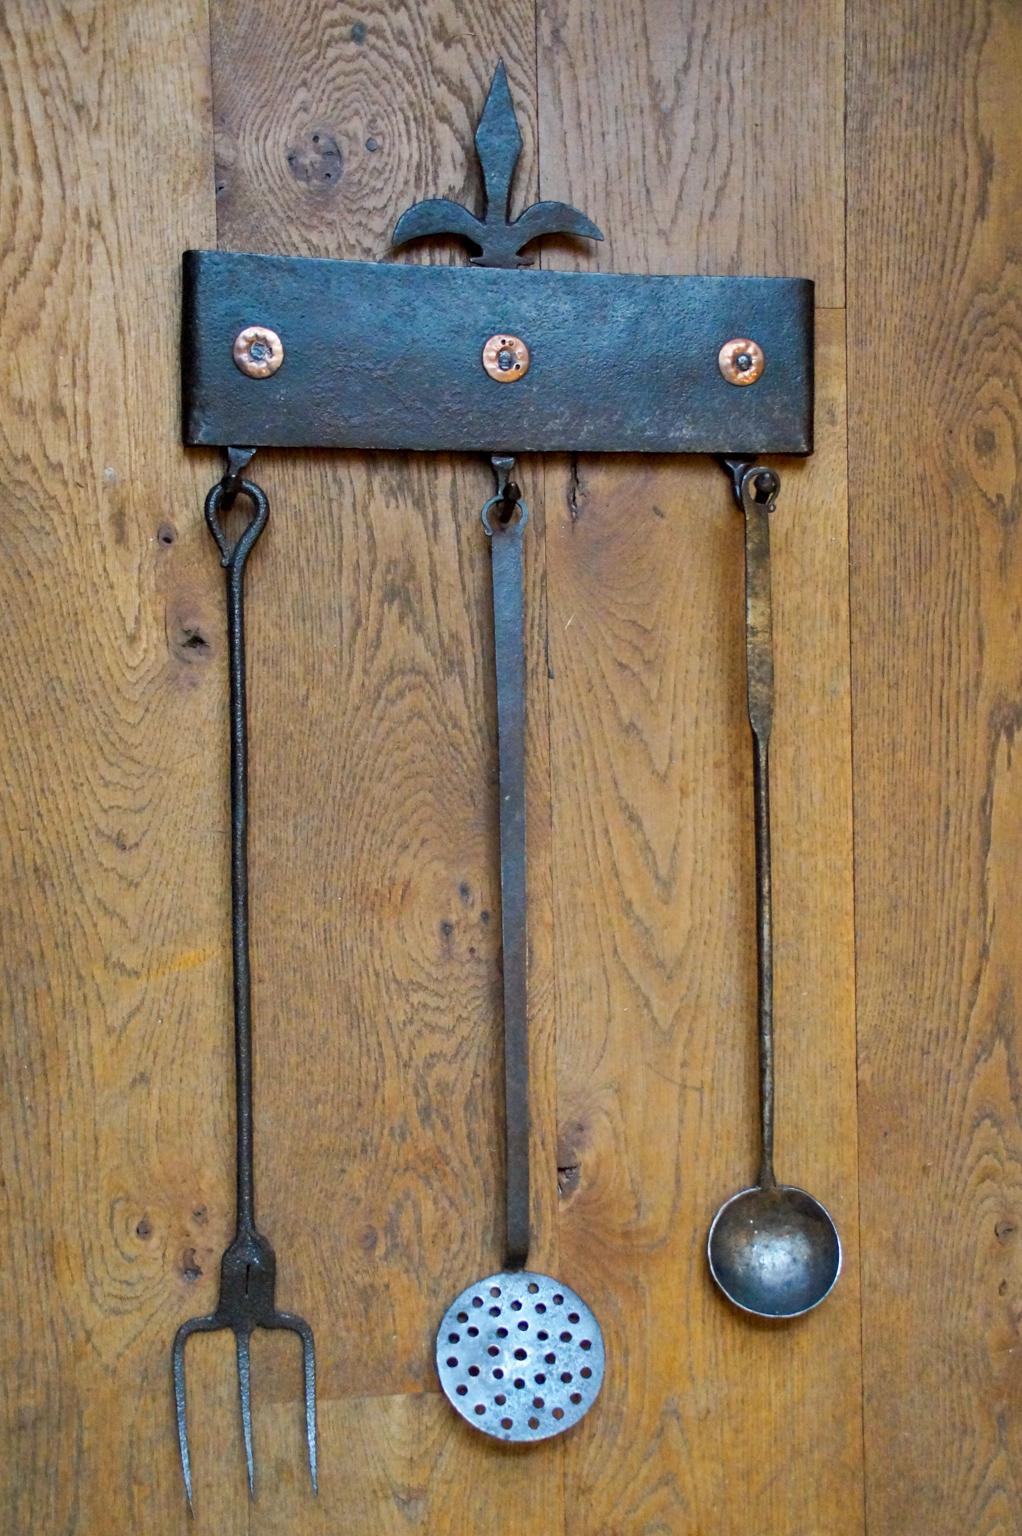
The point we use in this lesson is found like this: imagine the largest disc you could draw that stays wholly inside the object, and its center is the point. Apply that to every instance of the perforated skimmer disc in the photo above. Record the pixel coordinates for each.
(520, 1356)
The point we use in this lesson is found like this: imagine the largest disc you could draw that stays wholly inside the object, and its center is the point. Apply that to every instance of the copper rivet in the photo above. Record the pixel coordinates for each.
(506, 358)
(258, 351)
(741, 361)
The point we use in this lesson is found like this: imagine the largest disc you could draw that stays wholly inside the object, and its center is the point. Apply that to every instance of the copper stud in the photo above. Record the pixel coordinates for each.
(258, 351)
(741, 361)
(506, 358)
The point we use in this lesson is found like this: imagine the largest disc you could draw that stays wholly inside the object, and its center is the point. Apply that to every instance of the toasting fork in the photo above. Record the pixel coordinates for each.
(248, 1268)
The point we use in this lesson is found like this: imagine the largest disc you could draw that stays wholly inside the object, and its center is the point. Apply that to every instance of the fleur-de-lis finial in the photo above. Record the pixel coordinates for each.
(499, 238)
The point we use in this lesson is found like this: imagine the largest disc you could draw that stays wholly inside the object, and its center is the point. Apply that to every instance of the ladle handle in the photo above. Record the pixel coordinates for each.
(756, 488)
(508, 577)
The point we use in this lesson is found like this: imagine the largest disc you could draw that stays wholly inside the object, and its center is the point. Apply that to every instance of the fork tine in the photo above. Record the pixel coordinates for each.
(245, 1389)
(296, 1324)
(192, 1325)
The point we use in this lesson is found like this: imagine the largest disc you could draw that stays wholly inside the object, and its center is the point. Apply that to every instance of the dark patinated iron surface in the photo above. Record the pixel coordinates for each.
(390, 356)
(248, 1269)
(498, 237)
(504, 518)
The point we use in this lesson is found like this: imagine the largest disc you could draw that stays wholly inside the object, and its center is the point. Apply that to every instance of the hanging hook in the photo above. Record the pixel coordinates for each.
(238, 460)
(508, 499)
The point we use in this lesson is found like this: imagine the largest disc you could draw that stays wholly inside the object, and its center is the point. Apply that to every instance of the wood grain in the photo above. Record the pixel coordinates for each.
(699, 137)
(702, 138)
(653, 859)
(112, 1137)
(935, 184)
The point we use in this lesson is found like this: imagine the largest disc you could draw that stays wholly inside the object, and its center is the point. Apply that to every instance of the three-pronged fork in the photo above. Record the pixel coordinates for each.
(248, 1268)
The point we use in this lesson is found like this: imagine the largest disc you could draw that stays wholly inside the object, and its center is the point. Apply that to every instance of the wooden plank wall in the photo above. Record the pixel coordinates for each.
(871, 145)
(935, 425)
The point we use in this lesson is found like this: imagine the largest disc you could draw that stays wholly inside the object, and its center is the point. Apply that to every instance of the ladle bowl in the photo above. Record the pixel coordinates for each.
(774, 1251)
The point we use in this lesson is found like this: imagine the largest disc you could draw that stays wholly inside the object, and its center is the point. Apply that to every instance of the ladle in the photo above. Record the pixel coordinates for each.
(773, 1249)
(519, 1355)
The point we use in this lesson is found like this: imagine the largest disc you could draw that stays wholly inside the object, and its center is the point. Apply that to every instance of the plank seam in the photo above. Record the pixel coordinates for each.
(851, 744)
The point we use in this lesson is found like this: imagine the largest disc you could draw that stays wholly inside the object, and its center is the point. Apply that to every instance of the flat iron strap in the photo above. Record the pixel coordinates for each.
(381, 355)
(508, 576)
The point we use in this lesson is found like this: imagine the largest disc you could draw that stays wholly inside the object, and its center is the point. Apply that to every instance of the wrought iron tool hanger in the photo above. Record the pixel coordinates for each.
(291, 352)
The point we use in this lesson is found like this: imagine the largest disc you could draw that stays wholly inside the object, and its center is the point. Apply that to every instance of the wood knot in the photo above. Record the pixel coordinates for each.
(191, 1269)
(569, 1176)
(316, 160)
(189, 637)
